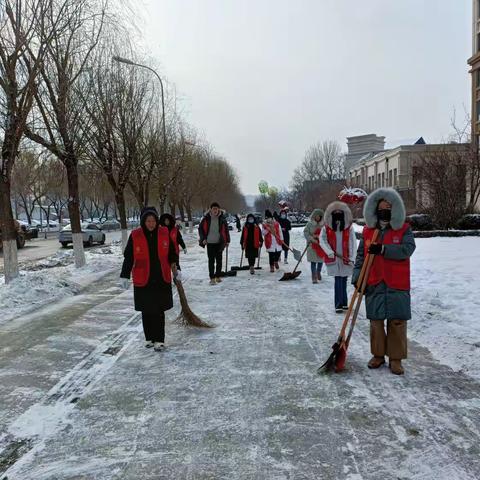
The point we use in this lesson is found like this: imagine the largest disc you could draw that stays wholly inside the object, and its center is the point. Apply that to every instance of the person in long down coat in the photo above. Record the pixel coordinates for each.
(286, 226)
(273, 237)
(387, 295)
(251, 241)
(339, 243)
(315, 254)
(149, 257)
(167, 220)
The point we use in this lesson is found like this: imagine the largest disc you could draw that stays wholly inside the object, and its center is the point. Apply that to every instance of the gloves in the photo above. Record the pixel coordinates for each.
(125, 283)
(375, 249)
(331, 256)
(178, 275)
(185, 251)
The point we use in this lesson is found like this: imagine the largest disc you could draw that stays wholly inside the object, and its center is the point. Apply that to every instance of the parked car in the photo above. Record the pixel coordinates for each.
(111, 224)
(20, 236)
(91, 234)
(30, 231)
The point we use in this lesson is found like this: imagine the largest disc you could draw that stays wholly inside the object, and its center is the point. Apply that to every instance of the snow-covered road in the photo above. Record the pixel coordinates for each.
(83, 399)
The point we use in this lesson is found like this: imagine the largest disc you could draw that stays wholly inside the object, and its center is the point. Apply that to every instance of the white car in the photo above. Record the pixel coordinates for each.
(91, 234)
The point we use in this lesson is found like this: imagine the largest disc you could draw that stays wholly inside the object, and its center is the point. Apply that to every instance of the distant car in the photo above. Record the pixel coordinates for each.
(30, 231)
(20, 236)
(91, 234)
(110, 225)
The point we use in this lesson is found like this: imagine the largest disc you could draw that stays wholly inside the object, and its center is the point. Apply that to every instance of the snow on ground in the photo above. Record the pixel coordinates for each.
(54, 278)
(244, 401)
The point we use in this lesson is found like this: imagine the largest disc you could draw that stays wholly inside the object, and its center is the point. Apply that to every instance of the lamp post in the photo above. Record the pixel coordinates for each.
(130, 62)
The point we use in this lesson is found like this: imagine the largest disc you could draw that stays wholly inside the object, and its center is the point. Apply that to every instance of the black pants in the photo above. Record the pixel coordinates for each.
(214, 251)
(154, 326)
(274, 257)
(251, 261)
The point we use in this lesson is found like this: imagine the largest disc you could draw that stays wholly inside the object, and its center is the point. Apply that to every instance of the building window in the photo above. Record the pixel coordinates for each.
(383, 179)
(394, 177)
(390, 175)
(379, 179)
(477, 73)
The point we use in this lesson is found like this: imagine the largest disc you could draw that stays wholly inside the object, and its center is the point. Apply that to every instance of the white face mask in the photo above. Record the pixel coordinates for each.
(251, 220)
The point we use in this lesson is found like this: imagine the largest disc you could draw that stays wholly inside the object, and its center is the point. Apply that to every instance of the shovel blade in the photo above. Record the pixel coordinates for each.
(340, 359)
(297, 255)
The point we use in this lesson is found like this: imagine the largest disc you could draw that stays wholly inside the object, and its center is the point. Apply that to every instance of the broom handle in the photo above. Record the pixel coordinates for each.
(226, 259)
(241, 259)
(300, 261)
(259, 255)
(355, 293)
(360, 298)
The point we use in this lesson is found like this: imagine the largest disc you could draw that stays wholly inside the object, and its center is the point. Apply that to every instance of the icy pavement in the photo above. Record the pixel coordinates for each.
(83, 399)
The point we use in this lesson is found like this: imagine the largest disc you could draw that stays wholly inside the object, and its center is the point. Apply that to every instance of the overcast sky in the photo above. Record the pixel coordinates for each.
(264, 79)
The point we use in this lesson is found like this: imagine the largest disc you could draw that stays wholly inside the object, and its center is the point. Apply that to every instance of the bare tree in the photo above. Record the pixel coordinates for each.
(21, 55)
(61, 115)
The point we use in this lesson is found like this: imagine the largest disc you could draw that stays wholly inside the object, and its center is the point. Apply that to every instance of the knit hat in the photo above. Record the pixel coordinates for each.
(268, 214)
(146, 211)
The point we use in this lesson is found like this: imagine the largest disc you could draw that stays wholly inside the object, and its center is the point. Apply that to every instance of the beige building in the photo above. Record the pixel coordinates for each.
(396, 168)
(474, 62)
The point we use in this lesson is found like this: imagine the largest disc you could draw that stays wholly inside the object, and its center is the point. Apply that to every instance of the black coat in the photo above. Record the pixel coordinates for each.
(250, 250)
(156, 296)
(286, 226)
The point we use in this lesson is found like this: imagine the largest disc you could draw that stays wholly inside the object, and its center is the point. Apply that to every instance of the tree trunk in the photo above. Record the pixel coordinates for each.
(120, 203)
(74, 212)
(9, 232)
(181, 210)
(188, 207)
(172, 209)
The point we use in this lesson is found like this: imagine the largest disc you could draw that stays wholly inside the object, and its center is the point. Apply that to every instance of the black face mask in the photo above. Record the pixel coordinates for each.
(338, 220)
(384, 215)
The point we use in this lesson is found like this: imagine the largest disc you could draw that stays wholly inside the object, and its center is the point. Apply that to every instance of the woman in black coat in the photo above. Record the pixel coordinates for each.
(153, 293)
(286, 227)
(251, 241)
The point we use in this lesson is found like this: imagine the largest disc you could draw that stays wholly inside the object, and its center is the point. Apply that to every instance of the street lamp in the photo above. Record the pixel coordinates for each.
(116, 58)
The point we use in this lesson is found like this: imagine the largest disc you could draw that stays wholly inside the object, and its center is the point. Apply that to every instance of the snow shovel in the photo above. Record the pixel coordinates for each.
(293, 275)
(339, 349)
(258, 267)
(246, 267)
(226, 273)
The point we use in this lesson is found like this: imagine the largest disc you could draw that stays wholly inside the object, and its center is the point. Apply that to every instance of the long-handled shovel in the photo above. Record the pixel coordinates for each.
(293, 275)
(258, 267)
(339, 349)
(226, 273)
(241, 267)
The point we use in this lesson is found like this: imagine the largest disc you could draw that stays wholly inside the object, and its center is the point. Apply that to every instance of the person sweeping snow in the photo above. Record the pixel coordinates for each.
(315, 253)
(149, 257)
(387, 295)
(213, 234)
(167, 220)
(251, 241)
(286, 226)
(272, 233)
(338, 241)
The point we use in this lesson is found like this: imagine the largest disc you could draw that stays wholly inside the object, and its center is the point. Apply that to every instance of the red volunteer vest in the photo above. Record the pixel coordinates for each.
(395, 273)
(332, 241)
(174, 238)
(256, 237)
(268, 235)
(141, 257)
(316, 246)
(222, 229)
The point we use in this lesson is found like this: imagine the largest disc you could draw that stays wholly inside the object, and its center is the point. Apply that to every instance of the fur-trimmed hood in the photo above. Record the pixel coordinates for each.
(392, 197)
(338, 206)
(317, 212)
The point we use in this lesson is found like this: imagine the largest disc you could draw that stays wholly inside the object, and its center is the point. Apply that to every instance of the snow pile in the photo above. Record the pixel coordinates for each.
(53, 278)
(445, 300)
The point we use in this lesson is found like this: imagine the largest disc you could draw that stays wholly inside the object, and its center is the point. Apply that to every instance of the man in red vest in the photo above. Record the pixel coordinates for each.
(149, 257)
(387, 296)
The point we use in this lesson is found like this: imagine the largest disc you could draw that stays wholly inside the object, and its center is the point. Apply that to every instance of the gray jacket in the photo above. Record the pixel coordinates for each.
(309, 233)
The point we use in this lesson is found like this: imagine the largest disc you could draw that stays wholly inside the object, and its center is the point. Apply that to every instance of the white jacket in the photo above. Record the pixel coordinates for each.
(275, 247)
(339, 269)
